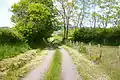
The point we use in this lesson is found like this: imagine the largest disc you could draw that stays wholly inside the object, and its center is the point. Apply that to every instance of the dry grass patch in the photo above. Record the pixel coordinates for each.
(110, 60)
(15, 68)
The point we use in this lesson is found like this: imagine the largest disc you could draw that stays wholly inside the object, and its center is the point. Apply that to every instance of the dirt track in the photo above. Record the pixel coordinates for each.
(38, 73)
(69, 71)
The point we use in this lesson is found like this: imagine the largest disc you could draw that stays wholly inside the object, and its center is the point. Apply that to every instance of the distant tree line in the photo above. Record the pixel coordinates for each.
(88, 13)
(108, 36)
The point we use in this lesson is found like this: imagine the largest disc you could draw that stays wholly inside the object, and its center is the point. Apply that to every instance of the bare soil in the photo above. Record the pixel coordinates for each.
(38, 72)
(69, 71)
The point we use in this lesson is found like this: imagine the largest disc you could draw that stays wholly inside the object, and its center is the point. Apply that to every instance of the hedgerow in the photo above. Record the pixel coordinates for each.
(8, 35)
(98, 35)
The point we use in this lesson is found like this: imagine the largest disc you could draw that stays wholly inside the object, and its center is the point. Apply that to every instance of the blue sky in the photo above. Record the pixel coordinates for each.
(5, 14)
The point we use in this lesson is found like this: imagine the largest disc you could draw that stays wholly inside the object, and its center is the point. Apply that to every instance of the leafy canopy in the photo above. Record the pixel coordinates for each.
(34, 19)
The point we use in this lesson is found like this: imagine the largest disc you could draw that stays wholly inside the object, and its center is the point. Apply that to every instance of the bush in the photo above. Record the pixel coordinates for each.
(84, 34)
(108, 36)
(8, 35)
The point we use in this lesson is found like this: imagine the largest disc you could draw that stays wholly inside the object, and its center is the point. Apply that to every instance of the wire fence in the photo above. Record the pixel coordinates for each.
(98, 53)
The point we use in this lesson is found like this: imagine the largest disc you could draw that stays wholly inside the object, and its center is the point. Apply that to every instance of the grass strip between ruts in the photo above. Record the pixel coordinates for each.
(54, 70)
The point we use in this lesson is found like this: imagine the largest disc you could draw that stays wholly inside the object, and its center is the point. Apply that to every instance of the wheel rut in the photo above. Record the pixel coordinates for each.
(38, 72)
(69, 71)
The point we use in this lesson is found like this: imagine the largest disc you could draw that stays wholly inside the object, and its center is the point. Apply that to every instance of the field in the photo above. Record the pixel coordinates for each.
(92, 66)
(110, 60)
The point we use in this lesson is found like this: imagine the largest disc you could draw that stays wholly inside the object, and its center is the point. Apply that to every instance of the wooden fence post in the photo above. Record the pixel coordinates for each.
(118, 54)
(90, 50)
(81, 44)
(100, 51)
(76, 44)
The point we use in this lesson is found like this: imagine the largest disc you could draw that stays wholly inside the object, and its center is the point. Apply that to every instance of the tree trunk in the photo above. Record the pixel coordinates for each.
(64, 17)
(67, 27)
(94, 22)
(64, 37)
(81, 21)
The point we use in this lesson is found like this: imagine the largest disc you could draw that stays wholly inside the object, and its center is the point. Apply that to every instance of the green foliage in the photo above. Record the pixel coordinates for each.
(84, 35)
(7, 50)
(98, 35)
(34, 19)
(8, 35)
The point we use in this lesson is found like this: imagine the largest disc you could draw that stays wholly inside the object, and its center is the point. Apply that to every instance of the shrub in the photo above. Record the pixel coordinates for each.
(8, 35)
(7, 50)
(108, 36)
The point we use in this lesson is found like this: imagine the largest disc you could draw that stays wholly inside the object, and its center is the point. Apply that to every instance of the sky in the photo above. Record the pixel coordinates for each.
(5, 14)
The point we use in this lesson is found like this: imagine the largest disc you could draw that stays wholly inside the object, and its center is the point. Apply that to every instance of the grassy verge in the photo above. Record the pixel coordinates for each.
(55, 68)
(7, 51)
(16, 68)
(86, 68)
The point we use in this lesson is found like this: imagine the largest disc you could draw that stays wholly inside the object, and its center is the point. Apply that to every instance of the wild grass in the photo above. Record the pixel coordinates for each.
(7, 50)
(55, 68)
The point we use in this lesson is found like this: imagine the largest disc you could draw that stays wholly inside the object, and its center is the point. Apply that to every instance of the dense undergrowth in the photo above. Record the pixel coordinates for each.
(12, 43)
(10, 36)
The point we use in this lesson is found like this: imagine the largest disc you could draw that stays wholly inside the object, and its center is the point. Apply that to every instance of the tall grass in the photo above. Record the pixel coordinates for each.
(55, 68)
(7, 50)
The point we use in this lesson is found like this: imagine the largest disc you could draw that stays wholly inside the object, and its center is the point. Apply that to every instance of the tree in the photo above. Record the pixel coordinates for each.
(81, 14)
(108, 13)
(35, 19)
(65, 10)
